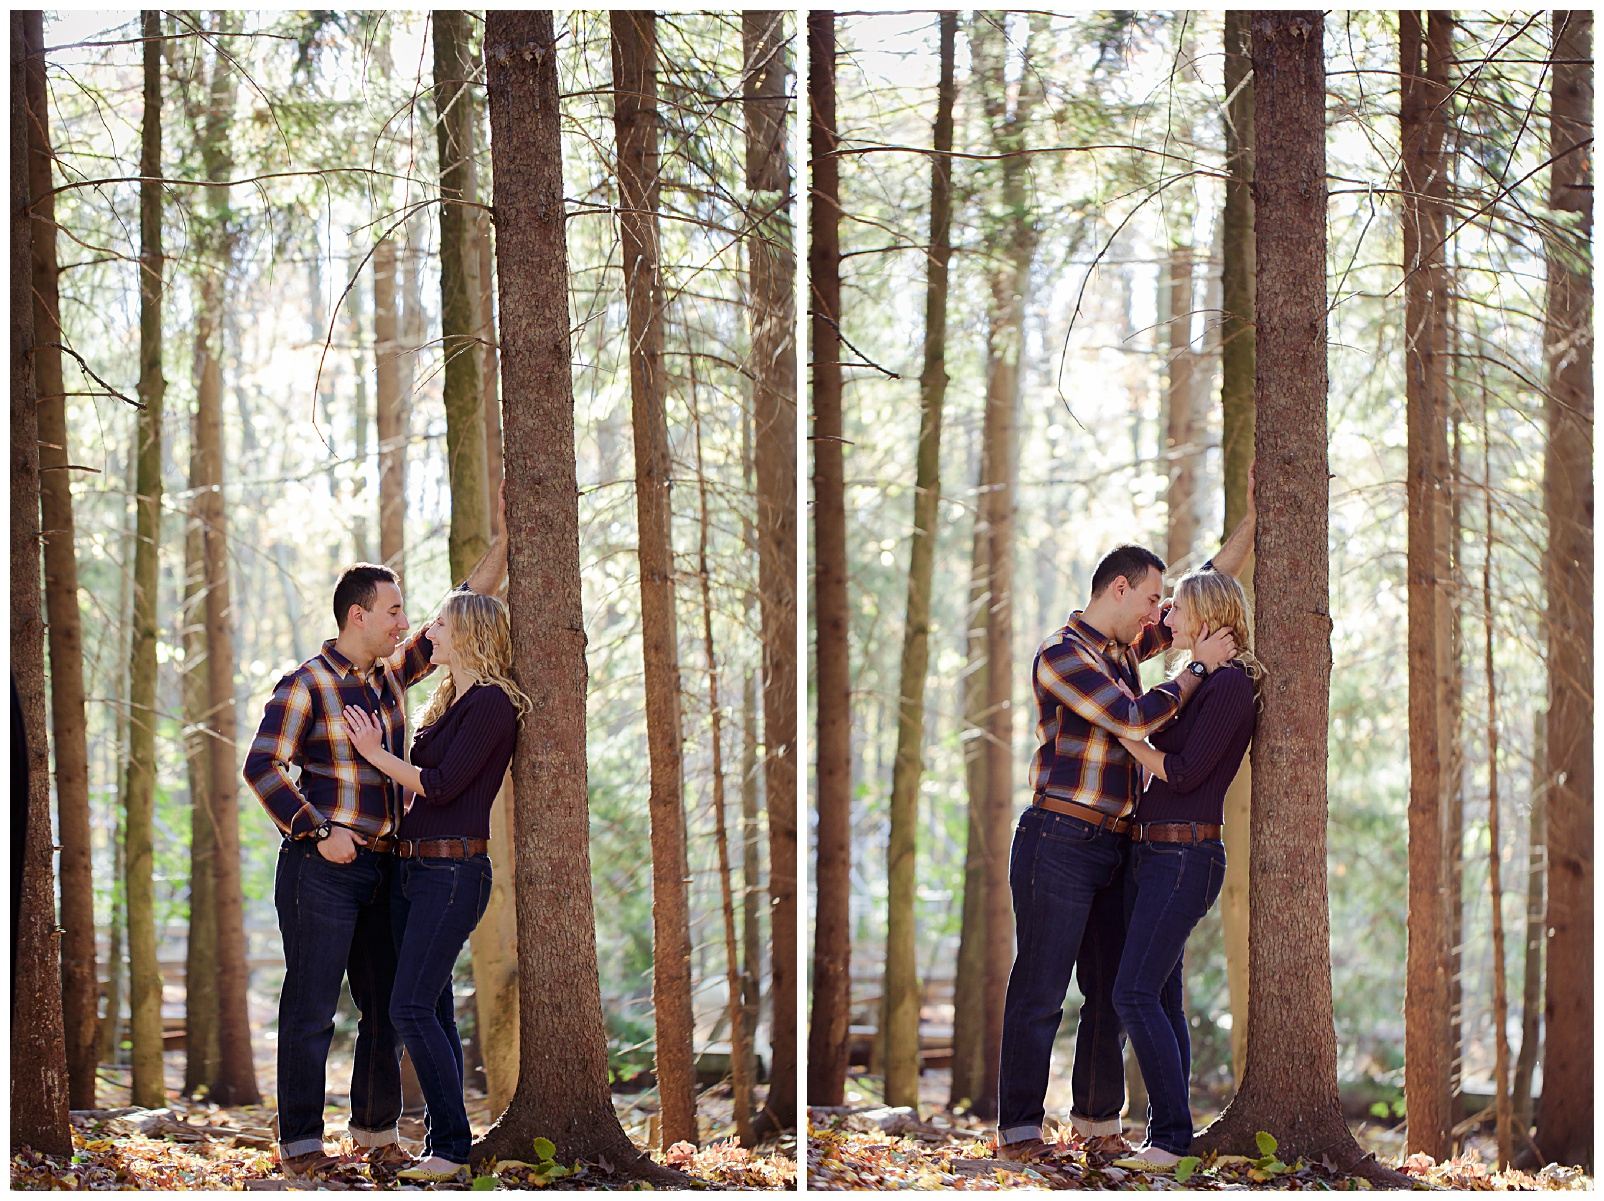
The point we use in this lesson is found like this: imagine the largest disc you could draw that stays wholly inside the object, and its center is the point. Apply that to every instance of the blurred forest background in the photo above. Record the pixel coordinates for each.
(306, 311)
(1088, 182)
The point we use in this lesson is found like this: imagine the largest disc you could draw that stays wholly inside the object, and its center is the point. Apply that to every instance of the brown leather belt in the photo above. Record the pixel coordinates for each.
(1096, 817)
(1190, 833)
(381, 846)
(441, 848)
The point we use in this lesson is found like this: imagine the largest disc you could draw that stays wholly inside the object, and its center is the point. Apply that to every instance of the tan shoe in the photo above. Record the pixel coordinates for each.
(384, 1162)
(314, 1165)
(1031, 1150)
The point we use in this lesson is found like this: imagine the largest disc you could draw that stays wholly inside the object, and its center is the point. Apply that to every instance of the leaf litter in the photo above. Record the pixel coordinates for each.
(883, 1149)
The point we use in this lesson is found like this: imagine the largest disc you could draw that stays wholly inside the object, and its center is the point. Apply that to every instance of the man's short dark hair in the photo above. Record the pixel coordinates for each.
(1131, 561)
(359, 585)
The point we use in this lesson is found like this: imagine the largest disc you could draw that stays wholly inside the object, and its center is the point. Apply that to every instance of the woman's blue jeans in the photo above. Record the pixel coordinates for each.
(1174, 886)
(434, 905)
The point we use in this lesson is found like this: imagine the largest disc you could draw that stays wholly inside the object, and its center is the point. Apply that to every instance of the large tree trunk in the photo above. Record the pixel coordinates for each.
(38, 1054)
(1427, 1049)
(80, 989)
(459, 293)
(765, 53)
(1236, 451)
(389, 409)
(563, 1097)
(1014, 245)
(832, 928)
(969, 986)
(144, 978)
(235, 1083)
(1290, 1084)
(1565, 1113)
(635, 117)
(902, 977)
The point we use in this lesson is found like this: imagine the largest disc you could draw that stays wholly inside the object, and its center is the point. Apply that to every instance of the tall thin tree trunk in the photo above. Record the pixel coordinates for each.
(469, 537)
(563, 1097)
(1014, 241)
(765, 107)
(490, 362)
(389, 408)
(635, 117)
(902, 977)
(1181, 418)
(1532, 984)
(1289, 1087)
(1495, 886)
(80, 989)
(740, 1069)
(235, 1082)
(828, 1042)
(751, 877)
(1565, 1113)
(1427, 1053)
(110, 1030)
(144, 978)
(1236, 446)
(969, 985)
(200, 952)
(38, 1053)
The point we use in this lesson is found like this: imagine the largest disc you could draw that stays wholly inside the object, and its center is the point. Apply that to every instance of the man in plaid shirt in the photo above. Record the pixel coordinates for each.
(339, 819)
(1067, 866)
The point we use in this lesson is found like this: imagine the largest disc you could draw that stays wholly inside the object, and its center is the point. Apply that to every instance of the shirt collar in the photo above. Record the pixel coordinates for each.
(345, 667)
(1091, 634)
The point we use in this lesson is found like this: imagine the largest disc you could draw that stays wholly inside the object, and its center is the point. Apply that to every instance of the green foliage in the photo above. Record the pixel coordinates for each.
(1266, 1142)
(1184, 1169)
(484, 1184)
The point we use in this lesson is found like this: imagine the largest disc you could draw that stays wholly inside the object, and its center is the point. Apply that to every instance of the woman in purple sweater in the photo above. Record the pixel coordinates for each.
(1177, 862)
(441, 885)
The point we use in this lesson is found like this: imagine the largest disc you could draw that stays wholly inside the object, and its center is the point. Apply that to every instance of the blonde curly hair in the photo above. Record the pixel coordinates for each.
(482, 637)
(1218, 601)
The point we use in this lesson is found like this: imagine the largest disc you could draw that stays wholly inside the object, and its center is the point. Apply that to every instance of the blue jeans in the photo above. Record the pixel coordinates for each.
(1068, 884)
(1175, 885)
(335, 922)
(435, 904)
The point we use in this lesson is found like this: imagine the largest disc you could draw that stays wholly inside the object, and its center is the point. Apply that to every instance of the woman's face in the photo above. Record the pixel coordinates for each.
(1182, 623)
(440, 636)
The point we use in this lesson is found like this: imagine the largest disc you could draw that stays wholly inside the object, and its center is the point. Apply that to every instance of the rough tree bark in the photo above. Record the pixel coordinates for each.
(563, 1097)
(38, 1053)
(1236, 448)
(1422, 120)
(635, 119)
(469, 537)
(828, 1042)
(389, 410)
(144, 978)
(1565, 1112)
(765, 107)
(901, 973)
(80, 988)
(1290, 1084)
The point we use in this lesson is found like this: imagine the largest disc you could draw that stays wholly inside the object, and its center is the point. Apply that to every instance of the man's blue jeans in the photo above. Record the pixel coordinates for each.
(1175, 885)
(1068, 884)
(335, 922)
(435, 904)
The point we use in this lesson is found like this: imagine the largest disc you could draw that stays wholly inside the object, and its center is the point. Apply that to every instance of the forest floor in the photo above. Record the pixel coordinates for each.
(866, 1146)
(192, 1145)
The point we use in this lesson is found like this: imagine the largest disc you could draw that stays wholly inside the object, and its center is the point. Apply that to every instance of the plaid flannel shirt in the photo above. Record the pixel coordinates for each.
(1081, 714)
(302, 726)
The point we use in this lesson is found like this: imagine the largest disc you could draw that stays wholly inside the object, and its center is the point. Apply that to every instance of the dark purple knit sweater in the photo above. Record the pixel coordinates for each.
(1203, 748)
(461, 758)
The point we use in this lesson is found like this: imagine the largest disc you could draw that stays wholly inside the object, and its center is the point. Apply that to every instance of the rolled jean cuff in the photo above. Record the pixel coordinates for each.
(1018, 1134)
(372, 1138)
(301, 1146)
(1087, 1128)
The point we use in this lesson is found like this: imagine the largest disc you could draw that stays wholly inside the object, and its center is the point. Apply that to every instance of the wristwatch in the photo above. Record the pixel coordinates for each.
(322, 832)
(1198, 670)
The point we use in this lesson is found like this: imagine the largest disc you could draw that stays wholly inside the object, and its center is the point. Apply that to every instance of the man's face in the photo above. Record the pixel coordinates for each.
(1138, 606)
(382, 627)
